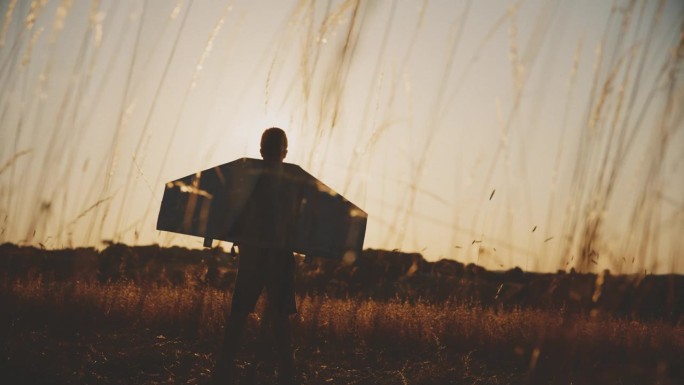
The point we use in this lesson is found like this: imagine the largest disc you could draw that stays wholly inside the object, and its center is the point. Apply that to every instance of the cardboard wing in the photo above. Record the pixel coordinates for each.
(217, 203)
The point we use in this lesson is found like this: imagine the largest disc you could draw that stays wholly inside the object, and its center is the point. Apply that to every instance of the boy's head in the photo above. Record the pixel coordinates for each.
(273, 145)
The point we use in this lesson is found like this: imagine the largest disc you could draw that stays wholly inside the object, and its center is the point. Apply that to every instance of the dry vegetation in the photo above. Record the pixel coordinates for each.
(629, 96)
(124, 332)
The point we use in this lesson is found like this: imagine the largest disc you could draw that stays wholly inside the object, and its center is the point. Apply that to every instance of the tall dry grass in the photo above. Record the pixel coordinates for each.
(634, 98)
(200, 311)
(340, 340)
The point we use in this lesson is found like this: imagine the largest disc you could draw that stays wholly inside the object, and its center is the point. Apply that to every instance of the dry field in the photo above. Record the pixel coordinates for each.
(135, 333)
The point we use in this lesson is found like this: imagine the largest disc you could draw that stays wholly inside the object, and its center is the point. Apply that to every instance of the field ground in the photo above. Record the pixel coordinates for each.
(139, 357)
(128, 333)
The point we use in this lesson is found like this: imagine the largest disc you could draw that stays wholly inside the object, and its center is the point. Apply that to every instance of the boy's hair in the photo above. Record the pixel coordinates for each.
(273, 141)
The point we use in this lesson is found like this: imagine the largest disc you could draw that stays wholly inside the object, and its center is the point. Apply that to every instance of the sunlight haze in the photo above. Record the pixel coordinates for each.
(540, 134)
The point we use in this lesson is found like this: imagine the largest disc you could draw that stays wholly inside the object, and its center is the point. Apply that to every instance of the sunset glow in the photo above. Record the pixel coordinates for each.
(540, 134)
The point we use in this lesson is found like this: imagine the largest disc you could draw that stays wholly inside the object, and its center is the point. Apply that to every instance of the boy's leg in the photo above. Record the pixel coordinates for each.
(283, 341)
(264, 342)
(224, 372)
(281, 303)
(248, 286)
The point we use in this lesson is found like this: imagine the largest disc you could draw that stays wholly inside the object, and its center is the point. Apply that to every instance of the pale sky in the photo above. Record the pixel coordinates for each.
(416, 111)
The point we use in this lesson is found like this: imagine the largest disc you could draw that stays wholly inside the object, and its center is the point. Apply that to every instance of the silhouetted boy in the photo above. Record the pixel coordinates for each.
(265, 262)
